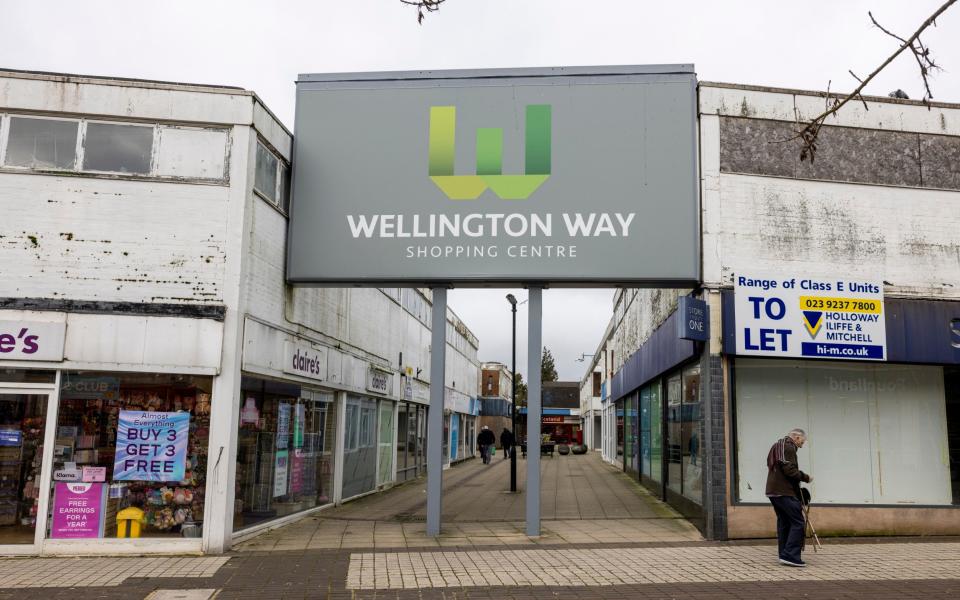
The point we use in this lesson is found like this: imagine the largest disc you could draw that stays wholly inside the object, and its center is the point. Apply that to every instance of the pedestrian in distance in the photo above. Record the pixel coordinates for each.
(783, 490)
(506, 442)
(485, 440)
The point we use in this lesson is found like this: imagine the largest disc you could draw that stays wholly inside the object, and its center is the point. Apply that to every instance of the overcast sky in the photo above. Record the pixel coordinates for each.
(262, 46)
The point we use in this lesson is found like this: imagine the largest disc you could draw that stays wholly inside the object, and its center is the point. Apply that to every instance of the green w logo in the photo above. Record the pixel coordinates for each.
(443, 126)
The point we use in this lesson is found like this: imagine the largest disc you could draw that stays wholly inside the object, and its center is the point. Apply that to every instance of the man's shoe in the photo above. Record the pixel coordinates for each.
(790, 563)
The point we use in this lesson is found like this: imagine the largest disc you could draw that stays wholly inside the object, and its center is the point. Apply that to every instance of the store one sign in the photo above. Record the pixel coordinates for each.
(824, 317)
(485, 177)
(32, 340)
(693, 319)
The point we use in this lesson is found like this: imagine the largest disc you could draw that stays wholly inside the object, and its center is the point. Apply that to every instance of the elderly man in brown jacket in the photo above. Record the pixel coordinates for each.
(783, 489)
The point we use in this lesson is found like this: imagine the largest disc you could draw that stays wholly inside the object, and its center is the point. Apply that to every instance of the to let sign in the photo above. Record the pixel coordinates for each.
(32, 340)
(827, 317)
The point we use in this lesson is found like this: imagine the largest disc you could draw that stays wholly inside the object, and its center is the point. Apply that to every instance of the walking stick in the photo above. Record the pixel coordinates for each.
(805, 500)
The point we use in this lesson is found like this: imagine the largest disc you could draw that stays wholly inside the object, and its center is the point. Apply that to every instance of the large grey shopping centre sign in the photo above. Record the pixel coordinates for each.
(561, 176)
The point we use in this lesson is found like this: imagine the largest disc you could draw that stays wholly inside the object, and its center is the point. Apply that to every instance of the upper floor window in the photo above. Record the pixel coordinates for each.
(38, 143)
(114, 148)
(118, 148)
(272, 178)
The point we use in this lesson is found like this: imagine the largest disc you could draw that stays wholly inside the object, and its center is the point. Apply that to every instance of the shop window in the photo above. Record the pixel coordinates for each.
(27, 376)
(118, 148)
(42, 143)
(360, 457)
(620, 432)
(692, 447)
(386, 443)
(404, 436)
(656, 432)
(646, 450)
(630, 452)
(951, 385)
(877, 433)
(684, 423)
(285, 451)
(674, 435)
(421, 438)
(130, 446)
(22, 423)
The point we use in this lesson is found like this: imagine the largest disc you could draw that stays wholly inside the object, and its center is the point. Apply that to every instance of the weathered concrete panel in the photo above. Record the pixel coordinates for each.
(940, 161)
(111, 240)
(904, 235)
(888, 114)
(765, 147)
(44, 92)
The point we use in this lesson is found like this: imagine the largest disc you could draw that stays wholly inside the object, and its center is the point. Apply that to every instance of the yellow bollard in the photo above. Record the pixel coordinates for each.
(129, 521)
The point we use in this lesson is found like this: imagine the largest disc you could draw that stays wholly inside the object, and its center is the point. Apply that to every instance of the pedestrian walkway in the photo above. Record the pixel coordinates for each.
(583, 501)
(631, 566)
(626, 545)
(102, 572)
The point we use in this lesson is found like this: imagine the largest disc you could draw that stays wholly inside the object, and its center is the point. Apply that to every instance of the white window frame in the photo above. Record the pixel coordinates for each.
(5, 124)
(82, 151)
(277, 203)
(4, 127)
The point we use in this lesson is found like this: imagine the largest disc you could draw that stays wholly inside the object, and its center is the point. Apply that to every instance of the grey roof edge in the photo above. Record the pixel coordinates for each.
(675, 69)
(121, 81)
(822, 94)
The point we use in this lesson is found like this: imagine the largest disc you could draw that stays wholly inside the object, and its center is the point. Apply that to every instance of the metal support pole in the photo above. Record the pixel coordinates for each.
(438, 354)
(534, 357)
(513, 410)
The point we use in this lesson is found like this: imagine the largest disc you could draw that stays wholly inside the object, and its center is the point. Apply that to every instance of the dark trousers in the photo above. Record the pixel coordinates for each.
(790, 526)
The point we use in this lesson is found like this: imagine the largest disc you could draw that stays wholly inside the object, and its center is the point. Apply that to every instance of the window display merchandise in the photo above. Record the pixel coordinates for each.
(22, 421)
(284, 451)
(130, 440)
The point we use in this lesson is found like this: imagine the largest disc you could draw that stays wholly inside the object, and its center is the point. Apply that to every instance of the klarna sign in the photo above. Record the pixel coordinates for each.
(32, 340)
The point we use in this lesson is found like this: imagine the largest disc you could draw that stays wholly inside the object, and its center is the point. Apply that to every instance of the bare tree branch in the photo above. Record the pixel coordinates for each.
(808, 135)
(423, 5)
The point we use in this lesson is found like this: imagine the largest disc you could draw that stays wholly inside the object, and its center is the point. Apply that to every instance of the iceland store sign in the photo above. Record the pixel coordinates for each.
(836, 318)
(561, 176)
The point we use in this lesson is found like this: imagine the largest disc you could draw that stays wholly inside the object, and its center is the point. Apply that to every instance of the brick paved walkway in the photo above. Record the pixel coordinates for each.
(573, 567)
(626, 546)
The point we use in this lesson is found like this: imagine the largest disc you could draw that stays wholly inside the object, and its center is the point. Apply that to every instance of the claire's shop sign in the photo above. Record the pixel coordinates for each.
(31, 340)
(379, 381)
(305, 360)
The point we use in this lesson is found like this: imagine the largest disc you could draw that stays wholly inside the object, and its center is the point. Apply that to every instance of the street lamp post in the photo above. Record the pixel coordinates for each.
(513, 397)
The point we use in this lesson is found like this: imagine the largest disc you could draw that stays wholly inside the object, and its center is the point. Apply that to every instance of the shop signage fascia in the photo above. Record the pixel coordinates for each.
(612, 146)
(379, 381)
(828, 317)
(32, 340)
(305, 360)
(694, 319)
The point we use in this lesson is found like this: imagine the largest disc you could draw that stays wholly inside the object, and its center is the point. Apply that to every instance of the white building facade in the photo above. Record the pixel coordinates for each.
(156, 372)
